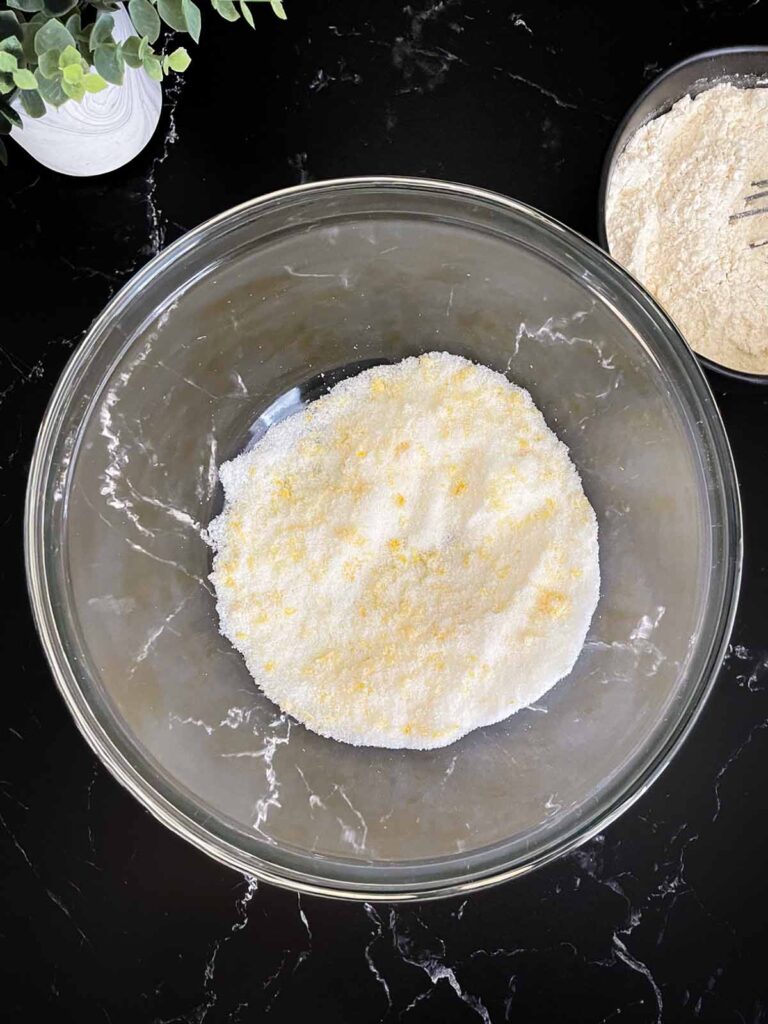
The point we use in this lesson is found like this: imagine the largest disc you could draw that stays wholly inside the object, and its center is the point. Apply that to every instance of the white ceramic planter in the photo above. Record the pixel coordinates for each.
(103, 132)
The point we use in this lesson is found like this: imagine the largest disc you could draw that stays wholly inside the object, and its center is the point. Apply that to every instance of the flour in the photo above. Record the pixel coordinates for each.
(409, 558)
(681, 215)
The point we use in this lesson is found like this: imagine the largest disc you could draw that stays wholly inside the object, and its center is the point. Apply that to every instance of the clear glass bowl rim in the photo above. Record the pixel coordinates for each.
(157, 797)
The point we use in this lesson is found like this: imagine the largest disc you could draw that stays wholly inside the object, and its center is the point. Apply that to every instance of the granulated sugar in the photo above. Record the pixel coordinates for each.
(409, 558)
(687, 214)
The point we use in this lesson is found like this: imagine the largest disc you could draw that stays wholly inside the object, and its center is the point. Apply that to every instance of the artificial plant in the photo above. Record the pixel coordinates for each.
(56, 51)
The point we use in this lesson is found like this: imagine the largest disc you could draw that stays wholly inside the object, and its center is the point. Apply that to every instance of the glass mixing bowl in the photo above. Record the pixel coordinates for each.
(233, 327)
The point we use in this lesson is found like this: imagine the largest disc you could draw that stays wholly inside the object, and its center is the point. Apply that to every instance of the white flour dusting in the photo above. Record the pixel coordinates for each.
(409, 558)
(687, 214)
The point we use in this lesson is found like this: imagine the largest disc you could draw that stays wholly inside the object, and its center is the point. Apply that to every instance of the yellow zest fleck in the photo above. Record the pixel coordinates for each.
(284, 488)
(459, 487)
(342, 437)
(551, 603)
(357, 489)
(351, 535)
(403, 447)
(350, 569)
(399, 500)
(394, 544)
(269, 666)
(389, 654)
(427, 562)
(289, 611)
(361, 453)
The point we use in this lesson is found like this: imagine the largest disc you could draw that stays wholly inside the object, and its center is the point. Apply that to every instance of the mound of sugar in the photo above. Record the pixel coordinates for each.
(409, 558)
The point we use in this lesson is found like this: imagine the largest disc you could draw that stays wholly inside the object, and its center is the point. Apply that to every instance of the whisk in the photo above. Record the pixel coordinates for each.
(755, 210)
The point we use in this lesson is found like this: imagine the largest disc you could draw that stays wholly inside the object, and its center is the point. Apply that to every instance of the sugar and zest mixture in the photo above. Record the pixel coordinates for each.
(675, 218)
(409, 558)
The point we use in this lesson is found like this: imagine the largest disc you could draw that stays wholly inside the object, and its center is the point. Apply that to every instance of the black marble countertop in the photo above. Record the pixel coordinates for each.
(106, 916)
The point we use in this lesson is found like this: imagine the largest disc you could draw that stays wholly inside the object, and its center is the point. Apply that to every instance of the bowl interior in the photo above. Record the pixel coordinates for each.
(232, 329)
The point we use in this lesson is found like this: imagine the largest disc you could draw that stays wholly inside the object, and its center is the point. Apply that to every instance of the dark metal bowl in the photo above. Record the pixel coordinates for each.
(741, 65)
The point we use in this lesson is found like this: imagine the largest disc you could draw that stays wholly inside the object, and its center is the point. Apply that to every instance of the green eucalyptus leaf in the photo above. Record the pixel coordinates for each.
(12, 45)
(108, 61)
(131, 45)
(179, 60)
(28, 43)
(130, 51)
(48, 65)
(102, 30)
(24, 79)
(52, 92)
(226, 9)
(192, 16)
(94, 83)
(74, 90)
(74, 25)
(3, 154)
(279, 10)
(33, 103)
(245, 10)
(5, 126)
(11, 115)
(154, 68)
(6, 85)
(52, 36)
(9, 26)
(58, 8)
(145, 19)
(69, 55)
(145, 50)
(172, 14)
(30, 6)
(72, 74)
(8, 61)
